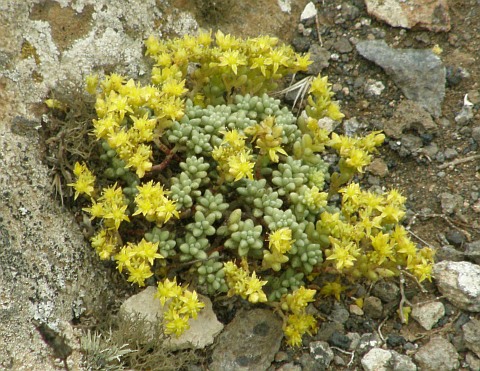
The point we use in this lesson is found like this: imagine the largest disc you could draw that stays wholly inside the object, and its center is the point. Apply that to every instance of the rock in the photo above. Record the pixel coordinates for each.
(472, 361)
(437, 354)
(394, 340)
(378, 167)
(476, 134)
(321, 353)
(447, 252)
(455, 237)
(460, 283)
(409, 116)
(356, 310)
(374, 88)
(372, 306)
(144, 306)
(472, 251)
(420, 74)
(368, 341)
(352, 125)
(450, 202)
(465, 115)
(320, 58)
(387, 291)
(249, 342)
(290, 367)
(450, 153)
(419, 14)
(401, 362)
(342, 45)
(428, 314)
(471, 335)
(339, 340)
(339, 313)
(308, 12)
(376, 359)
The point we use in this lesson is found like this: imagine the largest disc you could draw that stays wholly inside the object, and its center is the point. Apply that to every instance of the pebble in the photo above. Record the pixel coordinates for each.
(455, 237)
(450, 153)
(356, 310)
(471, 335)
(459, 282)
(376, 359)
(374, 88)
(387, 291)
(308, 12)
(450, 202)
(378, 167)
(342, 45)
(373, 307)
(428, 314)
(437, 354)
(339, 340)
(472, 251)
(321, 353)
(394, 340)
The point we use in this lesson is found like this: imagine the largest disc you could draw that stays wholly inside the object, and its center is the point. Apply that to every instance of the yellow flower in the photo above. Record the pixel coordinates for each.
(232, 59)
(342, 254)
(175, 324)
(85, 180)
(138, 274)
(281, 241)
(167, 290)
(240, 166)
(190, 304)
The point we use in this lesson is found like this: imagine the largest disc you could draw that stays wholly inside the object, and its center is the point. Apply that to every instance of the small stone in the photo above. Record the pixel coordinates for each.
(428, 314)
(376, 359)
(321, 353)
(447, 252)
(387, 291)
(455, 237)
(402, 362)
(450, 202)
(262, 328)
(352, 125)
(374, 88)
(450, 153)
(465, 115)
(147, 308)
(368, 341)
(476, 134)
(394, 340)
(342, 45)
(378, 167)
(301, 44)
(471, 335)
(459, 282)
(354, 340)
(372, 306)
(409, 116)
(339, 340)
(356, 310)
(437, 354)
(472, 251)
(472, 361)
(281, 356)
(339, 314)
(290, 367)
(309, 11)
(320, 58)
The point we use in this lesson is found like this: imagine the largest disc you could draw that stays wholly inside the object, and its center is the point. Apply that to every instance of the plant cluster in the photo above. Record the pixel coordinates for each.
(207, 176)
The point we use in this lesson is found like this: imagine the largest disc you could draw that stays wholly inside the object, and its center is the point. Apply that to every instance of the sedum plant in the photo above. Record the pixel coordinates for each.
(207, 177)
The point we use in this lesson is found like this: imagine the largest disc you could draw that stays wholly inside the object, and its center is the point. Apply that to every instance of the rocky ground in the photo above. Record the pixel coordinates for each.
(418, 82)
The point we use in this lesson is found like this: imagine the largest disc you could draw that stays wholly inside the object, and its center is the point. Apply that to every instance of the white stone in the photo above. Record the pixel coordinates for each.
(285, 6)
(376, 360)
(308, 12)
(428, 314)
(202, 330)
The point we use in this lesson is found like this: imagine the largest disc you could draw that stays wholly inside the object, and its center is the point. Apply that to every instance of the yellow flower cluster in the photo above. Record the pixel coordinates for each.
(356, 152)
(85, 180)
(124, 115)
(228, 63)
(240, 283)
(319, 103)
(233, 157)
(154, 205)
(138, 260)
(298, 321)
(362, 240)
(182, 304)
(267, 137)
(280, 242)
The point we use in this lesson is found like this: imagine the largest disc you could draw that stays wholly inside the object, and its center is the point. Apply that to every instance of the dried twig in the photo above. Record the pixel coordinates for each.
(458, 161)
(403, 299)
(351, 354)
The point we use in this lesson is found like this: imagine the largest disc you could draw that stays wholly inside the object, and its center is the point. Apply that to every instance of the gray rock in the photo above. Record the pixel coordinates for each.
(290, 367)
(320, 58)
(460, 283)
(321, 353)
(372, 306)
(450, 202)
(401, 362)
(377, 359)
(351, 126)
(145, 307)
(450, 153)
(431, 150)
(420, 74)
(472, 361)
(308, 12)
(339, 313)
(465, 115)
(387, 291)
(411, 144)
(476, 134)
(472, 251)
(471, 335)
(368, 341)
(410, 116)
(249, 342)
(448, 252)
(342, 45)
(437, 354)
(428, 314)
